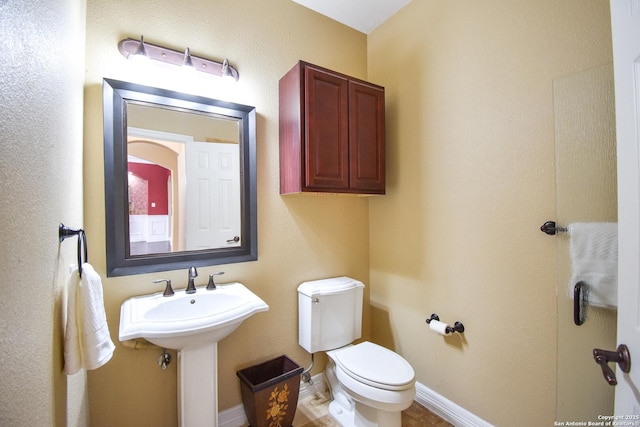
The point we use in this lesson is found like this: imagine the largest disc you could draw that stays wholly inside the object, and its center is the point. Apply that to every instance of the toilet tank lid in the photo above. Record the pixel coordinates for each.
(328, 286)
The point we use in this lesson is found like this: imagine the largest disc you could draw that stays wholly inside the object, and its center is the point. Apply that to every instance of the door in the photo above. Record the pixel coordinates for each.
(366, 137)
(213, 195)
(625, 17)
(326, 130)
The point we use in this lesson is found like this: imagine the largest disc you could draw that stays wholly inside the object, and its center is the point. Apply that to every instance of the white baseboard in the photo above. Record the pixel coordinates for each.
(316, 386)
(446, 409)
(233, 417)
(439, 405)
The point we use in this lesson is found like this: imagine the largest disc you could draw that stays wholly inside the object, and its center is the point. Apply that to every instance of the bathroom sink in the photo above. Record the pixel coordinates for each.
(188, 320)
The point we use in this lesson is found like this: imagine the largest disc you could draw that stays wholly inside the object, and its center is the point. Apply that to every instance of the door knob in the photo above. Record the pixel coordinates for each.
(620, 356)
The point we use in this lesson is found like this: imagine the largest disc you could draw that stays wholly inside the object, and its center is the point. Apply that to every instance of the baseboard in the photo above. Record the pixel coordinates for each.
(446, 409)
(316, 385)
(439, 405)
(235, 416)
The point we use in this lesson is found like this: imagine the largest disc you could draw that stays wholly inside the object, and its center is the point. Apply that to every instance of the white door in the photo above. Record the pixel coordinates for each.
(213, 195)
(625, 17)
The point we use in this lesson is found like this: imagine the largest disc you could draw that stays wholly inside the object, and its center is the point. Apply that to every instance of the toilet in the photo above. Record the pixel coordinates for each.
(370, 385)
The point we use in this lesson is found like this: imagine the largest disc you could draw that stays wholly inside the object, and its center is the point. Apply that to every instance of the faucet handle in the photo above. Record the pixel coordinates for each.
(168, 290)
(211, 285)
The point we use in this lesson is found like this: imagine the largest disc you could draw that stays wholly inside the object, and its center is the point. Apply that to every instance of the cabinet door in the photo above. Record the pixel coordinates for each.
(326, 131)
(366, 138)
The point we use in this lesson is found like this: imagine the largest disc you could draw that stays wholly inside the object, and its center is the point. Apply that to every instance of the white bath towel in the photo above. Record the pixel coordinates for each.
(87, 342)
(594, 259)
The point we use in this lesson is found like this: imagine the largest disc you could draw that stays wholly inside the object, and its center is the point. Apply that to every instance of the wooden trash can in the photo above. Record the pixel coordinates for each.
(270, 392)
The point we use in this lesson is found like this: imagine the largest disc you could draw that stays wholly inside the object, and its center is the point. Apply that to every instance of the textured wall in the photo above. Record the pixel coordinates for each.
(40, 186)
(471, 177)
(586, 192)
(470, 138)
(299, 237)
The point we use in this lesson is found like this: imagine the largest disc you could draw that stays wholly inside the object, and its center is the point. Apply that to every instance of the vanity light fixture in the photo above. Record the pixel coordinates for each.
(141, 51)
(226, 72)
(186, 61)
(132, 48)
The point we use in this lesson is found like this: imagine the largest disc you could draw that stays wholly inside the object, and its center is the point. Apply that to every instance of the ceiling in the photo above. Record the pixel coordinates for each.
(362, 15)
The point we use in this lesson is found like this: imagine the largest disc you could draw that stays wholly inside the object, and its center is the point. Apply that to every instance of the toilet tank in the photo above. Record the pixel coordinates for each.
(329, 313)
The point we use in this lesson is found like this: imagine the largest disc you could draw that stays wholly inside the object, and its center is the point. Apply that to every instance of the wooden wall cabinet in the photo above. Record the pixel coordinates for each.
(331, 133)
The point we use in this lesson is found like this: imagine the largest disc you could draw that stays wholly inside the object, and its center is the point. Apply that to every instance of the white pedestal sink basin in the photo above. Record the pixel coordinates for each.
(192, 324)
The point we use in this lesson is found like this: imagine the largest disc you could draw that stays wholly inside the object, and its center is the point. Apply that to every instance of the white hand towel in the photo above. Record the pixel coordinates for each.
(87, 342)
(594, 259)
(72, 354)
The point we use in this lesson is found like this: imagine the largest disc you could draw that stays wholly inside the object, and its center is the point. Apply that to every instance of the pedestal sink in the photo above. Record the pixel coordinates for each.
(192, 324)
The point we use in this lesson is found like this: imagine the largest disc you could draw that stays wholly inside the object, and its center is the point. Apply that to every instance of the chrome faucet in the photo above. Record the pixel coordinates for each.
(191, 286)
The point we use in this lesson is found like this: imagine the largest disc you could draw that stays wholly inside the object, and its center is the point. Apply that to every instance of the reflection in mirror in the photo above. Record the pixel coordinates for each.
(179, 180)
(176, 160)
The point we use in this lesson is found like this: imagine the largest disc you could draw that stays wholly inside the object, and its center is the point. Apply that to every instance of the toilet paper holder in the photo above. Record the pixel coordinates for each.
(457, 327)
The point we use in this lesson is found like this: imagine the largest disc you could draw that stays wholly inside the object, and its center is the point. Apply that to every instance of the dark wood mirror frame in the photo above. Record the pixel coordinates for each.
(116, 94)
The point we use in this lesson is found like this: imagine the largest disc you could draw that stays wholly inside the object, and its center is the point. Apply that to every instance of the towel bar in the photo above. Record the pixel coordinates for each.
(579, 303)
(551, 228)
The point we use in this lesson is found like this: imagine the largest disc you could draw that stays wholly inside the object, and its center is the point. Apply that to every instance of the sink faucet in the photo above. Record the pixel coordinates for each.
(191, 286)
(211, 285)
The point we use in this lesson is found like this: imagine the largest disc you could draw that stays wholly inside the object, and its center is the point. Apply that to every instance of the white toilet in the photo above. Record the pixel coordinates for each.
(370, 385)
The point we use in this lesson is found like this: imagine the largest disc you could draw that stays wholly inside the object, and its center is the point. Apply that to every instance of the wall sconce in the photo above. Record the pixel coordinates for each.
(132, 48)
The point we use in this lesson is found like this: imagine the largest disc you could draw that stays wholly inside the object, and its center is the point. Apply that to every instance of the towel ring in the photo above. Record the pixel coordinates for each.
(64, 232)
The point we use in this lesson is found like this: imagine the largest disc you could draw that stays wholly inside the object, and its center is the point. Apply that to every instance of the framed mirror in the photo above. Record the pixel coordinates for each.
(180, 180)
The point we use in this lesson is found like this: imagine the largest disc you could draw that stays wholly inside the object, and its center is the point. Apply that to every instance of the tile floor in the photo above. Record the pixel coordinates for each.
(312, 411)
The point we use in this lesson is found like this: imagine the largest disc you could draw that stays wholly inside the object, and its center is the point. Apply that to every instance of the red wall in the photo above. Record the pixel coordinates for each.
(158, 179)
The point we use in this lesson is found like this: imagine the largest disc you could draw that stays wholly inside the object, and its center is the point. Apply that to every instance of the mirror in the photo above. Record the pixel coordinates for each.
(180, 180)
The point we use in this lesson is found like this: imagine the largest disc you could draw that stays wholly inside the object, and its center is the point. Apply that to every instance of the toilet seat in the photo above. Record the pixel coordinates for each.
(375, 366)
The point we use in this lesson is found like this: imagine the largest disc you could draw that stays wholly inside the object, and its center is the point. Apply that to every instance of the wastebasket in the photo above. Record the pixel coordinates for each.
(270, 392)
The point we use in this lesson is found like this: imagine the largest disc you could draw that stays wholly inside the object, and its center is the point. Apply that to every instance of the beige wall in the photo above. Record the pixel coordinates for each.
(470, 140)
(299, 237)
(40, 186)
(471, 178)
(585, 192)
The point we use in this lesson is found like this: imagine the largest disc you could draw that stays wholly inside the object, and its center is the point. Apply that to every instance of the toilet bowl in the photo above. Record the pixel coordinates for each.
(370, 385)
